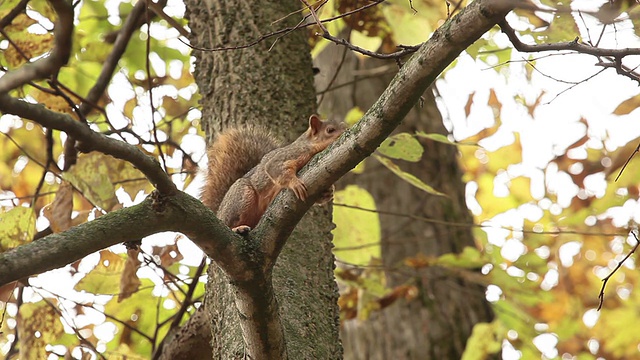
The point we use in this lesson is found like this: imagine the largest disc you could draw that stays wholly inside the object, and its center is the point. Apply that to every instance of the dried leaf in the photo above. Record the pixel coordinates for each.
(494, 102)
(467, 107)
(129, 281)
(627, 106)
(59, 212)
(38, 326)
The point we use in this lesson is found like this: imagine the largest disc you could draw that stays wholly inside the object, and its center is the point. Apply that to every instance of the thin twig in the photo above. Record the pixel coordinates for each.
(606, 279)
(627, 162)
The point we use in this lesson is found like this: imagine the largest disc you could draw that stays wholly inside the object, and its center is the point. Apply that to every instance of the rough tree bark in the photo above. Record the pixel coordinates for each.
(437, 324)
(273, 87)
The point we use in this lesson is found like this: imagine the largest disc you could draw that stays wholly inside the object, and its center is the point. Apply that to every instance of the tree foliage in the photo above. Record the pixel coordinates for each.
(554, 215)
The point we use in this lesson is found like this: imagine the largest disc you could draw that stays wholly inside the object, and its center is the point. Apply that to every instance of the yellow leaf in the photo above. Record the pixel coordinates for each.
(38, 325)
(532, 18)
(30, 45)
(627, 106)
(353, 116)
(357, 233)
(365, 42)
(105, 277)
(17, 227)
(410, 178)
(403, 146)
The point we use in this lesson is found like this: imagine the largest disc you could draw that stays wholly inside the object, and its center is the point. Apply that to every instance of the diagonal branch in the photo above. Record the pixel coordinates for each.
(110, 64)
(381, 119)
(51, 64)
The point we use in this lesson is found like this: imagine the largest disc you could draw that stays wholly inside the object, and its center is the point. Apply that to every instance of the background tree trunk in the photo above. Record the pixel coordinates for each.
(270, 86)
(437, 324)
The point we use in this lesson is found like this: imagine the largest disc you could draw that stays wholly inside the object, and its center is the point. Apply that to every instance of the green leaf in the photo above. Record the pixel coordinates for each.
(402, 146)
(96, 174)
(486, 339)
(443, 139)
(105, 277)
(142, 310)
(357, 233)
(469, 258)
(408, 27)
(371, 43)
(411, 179)
(94, 185)
(17, 227)
(563, 27)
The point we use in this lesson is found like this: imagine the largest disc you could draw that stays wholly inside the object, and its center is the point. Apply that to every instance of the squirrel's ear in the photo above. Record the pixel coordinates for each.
(315, 124)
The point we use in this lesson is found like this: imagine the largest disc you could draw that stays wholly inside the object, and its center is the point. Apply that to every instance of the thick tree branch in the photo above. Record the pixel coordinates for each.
(90, 140)
(51, 64)
(382, 118)
(259, 317)
(180, 212)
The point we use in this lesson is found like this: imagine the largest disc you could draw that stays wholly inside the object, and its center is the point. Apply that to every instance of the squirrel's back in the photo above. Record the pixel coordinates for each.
(233, 153)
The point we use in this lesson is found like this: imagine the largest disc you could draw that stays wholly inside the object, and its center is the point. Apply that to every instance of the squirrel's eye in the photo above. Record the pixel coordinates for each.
(330, 130)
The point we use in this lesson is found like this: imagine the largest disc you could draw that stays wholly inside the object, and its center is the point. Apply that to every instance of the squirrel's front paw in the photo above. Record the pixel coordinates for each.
(299, 188)
(241, 230)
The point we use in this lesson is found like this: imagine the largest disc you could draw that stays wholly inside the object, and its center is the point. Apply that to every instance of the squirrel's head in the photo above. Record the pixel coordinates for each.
(325, 132)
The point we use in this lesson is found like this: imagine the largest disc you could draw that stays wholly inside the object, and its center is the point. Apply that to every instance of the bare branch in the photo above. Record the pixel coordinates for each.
(405, 49)
(574, 45)
(90, 140)
(157, 9)
(51, 64)
(628, 160)
(606, 279)
(110, 64)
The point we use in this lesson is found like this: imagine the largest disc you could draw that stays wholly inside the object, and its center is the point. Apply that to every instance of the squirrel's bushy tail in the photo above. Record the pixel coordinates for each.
(233, 153)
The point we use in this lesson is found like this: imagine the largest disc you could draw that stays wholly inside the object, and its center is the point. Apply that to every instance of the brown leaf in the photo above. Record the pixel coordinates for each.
(494, 102)
(348, 303)
(467, 107)
(129, 281)
(59, 212)
(532, 108)
(419, 261)
(408, 292)
(6, 292)
(168, 254)
(627, 106)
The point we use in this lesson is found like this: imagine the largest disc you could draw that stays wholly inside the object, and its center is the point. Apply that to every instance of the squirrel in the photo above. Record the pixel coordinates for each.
(248, 167)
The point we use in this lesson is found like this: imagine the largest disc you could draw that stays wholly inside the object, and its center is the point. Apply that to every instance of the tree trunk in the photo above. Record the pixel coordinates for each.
(437, 324)
(270, 86)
